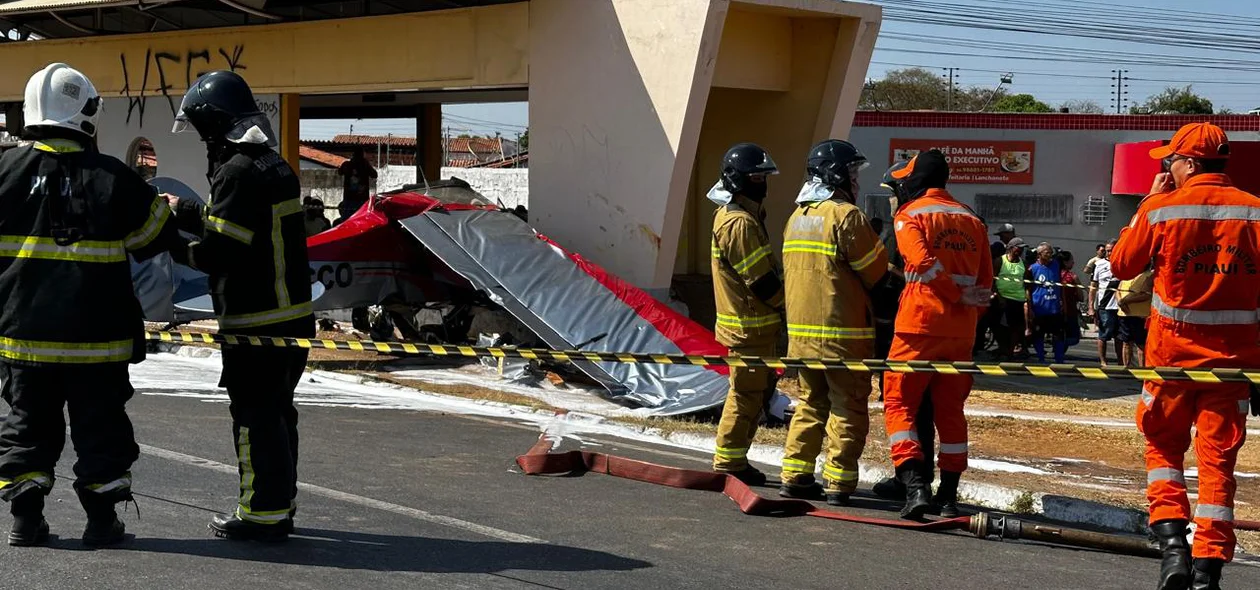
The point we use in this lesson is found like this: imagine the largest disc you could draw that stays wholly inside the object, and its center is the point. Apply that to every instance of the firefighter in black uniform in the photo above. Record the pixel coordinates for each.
(71, 323)
(253, 245)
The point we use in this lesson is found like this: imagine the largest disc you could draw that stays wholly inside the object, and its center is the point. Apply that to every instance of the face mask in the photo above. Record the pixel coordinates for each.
(756, 191)
(814, 191)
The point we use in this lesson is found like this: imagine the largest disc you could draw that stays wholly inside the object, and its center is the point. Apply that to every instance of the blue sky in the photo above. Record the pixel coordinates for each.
(1051, 81)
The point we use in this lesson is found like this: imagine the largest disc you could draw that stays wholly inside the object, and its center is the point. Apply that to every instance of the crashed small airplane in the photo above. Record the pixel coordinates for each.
(446, 246)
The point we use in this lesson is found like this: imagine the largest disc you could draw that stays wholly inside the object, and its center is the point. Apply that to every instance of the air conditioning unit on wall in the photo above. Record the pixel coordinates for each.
(1094, 211)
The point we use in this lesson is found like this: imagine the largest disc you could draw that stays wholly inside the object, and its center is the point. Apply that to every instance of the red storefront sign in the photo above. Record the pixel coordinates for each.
(975, 162)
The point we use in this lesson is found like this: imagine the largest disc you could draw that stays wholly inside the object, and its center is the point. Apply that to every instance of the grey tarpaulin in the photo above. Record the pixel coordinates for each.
(159, 282)
(567, 308)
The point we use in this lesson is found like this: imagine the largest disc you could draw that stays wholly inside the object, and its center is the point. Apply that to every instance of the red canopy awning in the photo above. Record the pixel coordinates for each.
(1133, 169)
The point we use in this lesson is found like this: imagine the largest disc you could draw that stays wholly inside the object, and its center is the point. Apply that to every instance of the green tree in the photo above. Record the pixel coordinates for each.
(1082, 106)
(1021, 103)
(919, 89)
(1175, 100)
(977, 99)
(523, 144)
(911, 89)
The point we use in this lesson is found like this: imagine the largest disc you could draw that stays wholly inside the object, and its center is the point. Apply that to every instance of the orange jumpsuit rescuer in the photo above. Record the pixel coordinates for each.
(948, 277)
(1204, 238)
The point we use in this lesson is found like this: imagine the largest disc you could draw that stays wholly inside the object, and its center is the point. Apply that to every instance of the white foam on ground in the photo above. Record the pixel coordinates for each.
(1003, 467)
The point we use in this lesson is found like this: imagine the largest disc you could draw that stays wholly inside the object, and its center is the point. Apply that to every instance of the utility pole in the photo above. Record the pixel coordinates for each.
(446, 146)
(1007, 78)
(952, 74)
(1120, 88)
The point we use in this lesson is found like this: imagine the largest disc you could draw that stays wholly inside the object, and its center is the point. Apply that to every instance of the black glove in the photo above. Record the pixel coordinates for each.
(1255, 400)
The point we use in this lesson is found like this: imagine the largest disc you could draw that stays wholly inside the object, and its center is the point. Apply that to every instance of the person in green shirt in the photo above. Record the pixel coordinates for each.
(1009, 299)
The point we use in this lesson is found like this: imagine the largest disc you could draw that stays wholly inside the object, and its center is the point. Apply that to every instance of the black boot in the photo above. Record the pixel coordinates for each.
(750, 475)
(801, 487)
(890, 489)
(834, 496)
(1207, 574)
(1174, 570)
(946, 499)
(103, 527)
(231, 527)
(918, 494)
(29, 527)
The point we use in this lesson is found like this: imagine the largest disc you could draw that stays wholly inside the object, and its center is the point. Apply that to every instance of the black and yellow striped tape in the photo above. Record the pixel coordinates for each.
(861, 366)
(1074, 285)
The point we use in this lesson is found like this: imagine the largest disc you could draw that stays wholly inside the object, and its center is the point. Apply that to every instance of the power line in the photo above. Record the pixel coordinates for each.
(482, 121)
(1150, 29)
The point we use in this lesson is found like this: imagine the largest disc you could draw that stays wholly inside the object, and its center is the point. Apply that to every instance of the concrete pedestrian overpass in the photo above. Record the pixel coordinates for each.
(631, 102)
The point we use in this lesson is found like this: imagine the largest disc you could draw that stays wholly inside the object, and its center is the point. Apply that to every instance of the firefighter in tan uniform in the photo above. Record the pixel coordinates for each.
(748, 291)
(832, 258)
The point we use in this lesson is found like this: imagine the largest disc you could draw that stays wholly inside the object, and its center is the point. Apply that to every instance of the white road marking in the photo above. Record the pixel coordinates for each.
(438, 519)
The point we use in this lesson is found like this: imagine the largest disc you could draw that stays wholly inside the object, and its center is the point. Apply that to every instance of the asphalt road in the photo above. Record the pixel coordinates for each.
(406, 499)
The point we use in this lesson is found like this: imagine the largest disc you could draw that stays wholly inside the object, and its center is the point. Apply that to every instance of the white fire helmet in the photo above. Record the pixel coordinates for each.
(61, 96)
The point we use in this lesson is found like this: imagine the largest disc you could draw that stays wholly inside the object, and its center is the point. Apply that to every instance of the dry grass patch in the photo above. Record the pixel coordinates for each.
(1030, 402)
(463, 390)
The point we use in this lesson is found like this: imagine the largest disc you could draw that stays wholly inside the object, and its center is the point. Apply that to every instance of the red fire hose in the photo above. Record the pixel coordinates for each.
(541, 461)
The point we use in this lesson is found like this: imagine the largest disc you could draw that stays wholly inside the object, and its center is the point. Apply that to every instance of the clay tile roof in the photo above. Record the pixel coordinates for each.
(507, 162)
(366, 140)
(477, 145)
(320, 157)
(462, 162)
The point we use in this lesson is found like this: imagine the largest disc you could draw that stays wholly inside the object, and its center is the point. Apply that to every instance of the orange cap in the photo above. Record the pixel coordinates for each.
(904, 173)
(1196, 140)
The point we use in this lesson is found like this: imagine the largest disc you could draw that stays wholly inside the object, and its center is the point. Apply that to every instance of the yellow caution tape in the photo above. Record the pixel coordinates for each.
(1199, 375)
(1076, 285)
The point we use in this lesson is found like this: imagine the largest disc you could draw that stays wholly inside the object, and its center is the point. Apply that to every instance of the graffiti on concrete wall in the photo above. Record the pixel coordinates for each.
(271, 108)
(165, 66)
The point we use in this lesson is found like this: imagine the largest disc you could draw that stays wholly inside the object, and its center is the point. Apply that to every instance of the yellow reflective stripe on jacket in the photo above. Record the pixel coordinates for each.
(839, 475)
(159, 213)
(809, 246)
(717, 252)
(263, 517)
(757, 256)
(797, 466)
(278, 212)
(229, 229)
(58, 146)
(729, 453)
(829, 333)
(40, 351)
(48, 249)
(262, 318)
(731, 321)
(870, 257)
(41, 478)
(121, 483)
(246, 460)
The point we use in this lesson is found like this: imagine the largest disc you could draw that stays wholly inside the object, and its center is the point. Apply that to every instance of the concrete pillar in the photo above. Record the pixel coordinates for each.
(617, 93)
(291, 129)
(633, 103)
(784, 81)
(429, 142)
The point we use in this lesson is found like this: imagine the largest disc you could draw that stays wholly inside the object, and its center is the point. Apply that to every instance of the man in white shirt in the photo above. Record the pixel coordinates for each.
(1104, 305)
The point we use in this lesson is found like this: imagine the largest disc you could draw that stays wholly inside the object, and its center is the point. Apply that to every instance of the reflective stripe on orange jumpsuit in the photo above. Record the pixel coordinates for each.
(1204, 239)
(945, 250)
(748, 293)
(831, 260)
